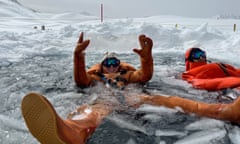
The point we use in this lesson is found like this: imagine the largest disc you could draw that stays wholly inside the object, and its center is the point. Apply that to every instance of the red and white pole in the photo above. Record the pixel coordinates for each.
(101, 13)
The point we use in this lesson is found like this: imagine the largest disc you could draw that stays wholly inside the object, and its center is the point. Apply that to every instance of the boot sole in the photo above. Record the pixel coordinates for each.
(41, 119)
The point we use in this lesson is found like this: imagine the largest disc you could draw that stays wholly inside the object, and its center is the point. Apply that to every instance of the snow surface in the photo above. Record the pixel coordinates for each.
(38, 60)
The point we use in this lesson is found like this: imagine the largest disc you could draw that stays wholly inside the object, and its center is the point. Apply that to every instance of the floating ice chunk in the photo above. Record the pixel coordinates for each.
(156, 109)
(176, 82)
(162, 142)
(12, 123)
(234, 135)
(124, 124)
(131, 141)
(4, 62)
(170, 133)
(152, 117)
(204, 124)
(203, 137)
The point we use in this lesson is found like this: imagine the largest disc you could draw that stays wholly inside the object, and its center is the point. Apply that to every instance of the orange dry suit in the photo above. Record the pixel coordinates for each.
(213, 76)
(227, 112)
(126, 73)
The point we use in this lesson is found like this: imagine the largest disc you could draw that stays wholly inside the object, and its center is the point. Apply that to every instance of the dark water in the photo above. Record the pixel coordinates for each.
(52, 75)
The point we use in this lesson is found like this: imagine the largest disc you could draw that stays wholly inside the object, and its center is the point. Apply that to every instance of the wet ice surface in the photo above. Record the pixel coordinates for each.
(52, 76)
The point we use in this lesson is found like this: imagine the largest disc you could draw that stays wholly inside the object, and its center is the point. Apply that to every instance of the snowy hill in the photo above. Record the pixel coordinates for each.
(12, 8)
(74, 15)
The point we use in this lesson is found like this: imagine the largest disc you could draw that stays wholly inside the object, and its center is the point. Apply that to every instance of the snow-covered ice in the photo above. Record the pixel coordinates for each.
(38, 60)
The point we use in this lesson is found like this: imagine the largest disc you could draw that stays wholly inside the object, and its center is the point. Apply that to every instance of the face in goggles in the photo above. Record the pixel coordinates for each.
(111, 62)
(196, 55)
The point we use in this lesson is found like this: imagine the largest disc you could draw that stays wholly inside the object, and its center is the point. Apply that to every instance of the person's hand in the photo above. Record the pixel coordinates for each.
(81, 45)
(146, 44)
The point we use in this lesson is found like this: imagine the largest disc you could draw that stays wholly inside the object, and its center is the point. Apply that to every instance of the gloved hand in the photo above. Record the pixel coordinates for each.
(145, 72)
(146, 44)
(81, 77)
(81, 45)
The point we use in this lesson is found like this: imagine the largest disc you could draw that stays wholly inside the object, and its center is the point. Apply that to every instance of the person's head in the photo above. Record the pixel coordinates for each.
(195, 57)
(110, 63)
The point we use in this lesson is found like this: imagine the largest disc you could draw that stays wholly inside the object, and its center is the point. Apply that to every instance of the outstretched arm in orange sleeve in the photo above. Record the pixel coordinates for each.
(81, 77)
(227, 112)
(143, 74)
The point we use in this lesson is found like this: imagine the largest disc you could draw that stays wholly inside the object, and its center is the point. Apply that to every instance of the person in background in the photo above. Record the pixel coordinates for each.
(209, 76)
(48, 127)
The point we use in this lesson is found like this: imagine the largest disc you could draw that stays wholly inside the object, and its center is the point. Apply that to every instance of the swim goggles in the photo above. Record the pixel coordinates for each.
(108, 62)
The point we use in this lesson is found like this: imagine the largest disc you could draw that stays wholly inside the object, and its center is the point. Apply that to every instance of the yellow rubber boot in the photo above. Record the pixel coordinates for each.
(46, 126)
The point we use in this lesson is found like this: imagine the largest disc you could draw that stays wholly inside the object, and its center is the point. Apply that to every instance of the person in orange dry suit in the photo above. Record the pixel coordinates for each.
(209, 76)
(111, 70)
(48, 127)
